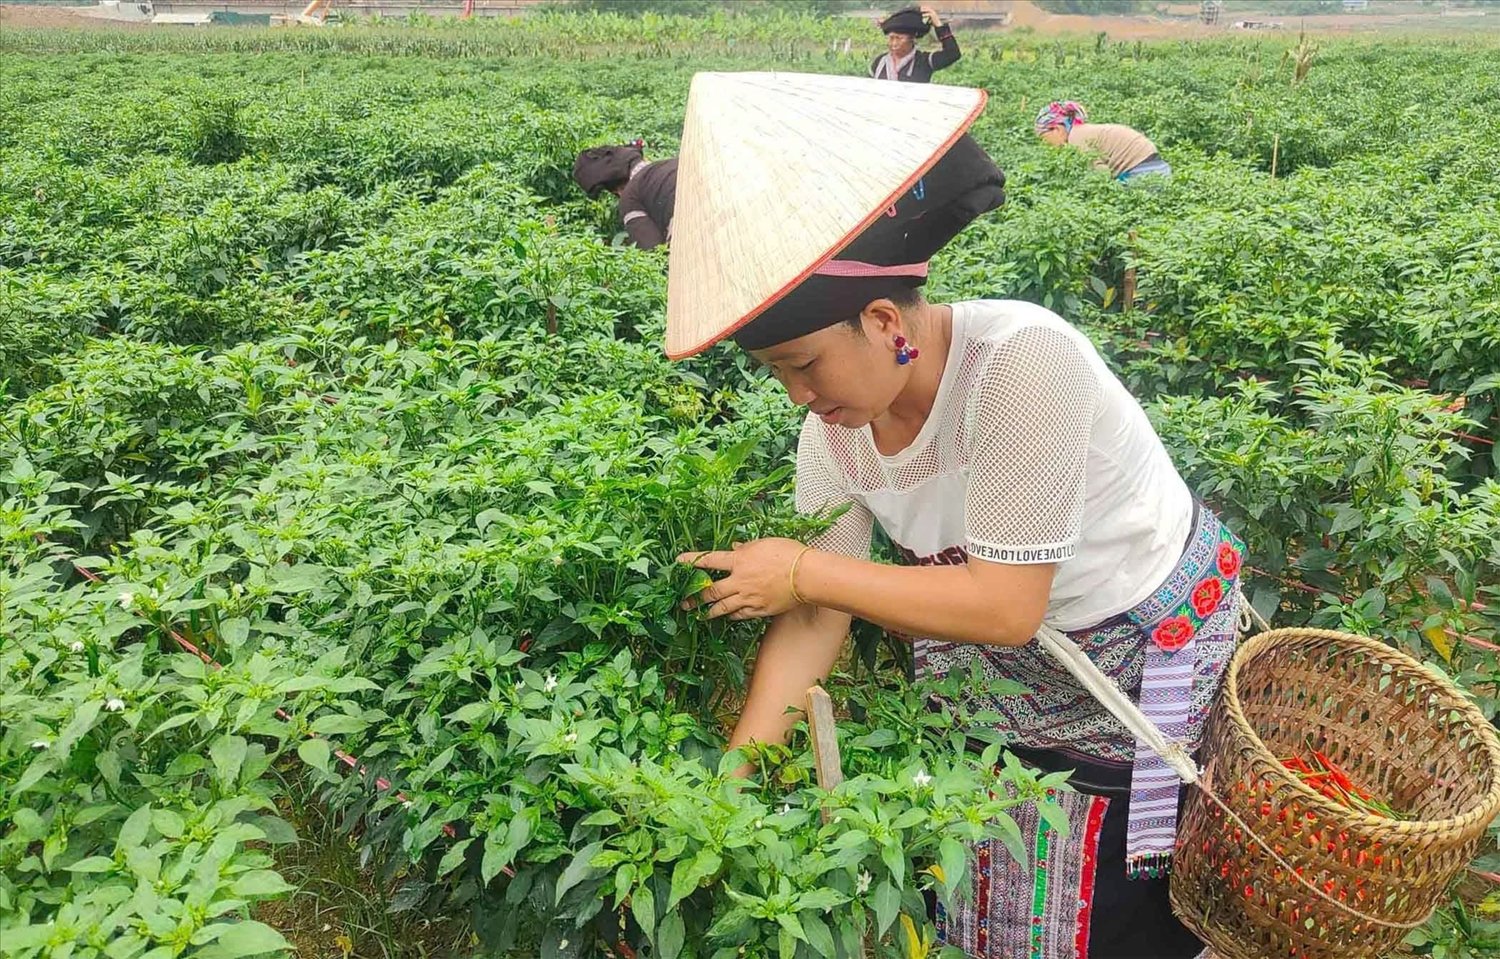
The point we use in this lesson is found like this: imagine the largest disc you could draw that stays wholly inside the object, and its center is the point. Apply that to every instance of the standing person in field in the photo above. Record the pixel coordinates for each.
(1124, 152)
(647, 190)
(1019, 480)
(902, 60)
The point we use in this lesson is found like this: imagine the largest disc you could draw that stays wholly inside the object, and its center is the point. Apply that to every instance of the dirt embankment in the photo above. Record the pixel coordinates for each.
(15, 16)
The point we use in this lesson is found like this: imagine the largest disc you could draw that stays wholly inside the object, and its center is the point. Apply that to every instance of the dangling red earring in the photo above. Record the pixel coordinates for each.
(905, 354)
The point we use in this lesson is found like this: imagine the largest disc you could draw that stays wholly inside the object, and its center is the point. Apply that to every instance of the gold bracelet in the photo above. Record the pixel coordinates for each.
(792, 577)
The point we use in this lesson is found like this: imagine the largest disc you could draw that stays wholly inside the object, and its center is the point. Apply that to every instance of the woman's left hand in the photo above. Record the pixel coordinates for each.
(759, 581)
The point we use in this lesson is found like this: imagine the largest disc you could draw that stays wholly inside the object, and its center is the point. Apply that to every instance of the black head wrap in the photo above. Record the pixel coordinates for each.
(600, 167)
(960, 187)
(908, 20)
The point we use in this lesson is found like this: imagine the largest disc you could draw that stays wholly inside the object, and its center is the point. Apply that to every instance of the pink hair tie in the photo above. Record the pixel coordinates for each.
(855, 268)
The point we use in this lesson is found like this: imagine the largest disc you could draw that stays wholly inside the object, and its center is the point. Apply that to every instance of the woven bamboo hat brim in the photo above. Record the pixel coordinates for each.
(778, 172)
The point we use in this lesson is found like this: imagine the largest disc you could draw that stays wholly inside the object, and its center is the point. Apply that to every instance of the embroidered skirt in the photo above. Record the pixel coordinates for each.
(1100, 892)
(1071, 898)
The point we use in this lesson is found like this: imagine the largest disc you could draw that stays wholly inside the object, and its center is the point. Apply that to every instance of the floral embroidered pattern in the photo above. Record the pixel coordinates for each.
(1206, 597)
(1173, 634)
(1229, 560)
(1177, 630)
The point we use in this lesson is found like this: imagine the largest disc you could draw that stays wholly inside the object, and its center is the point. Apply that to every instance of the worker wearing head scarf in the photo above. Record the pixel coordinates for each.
(902, 60)
(1018, 481)
(647, 190)
(1123, 152)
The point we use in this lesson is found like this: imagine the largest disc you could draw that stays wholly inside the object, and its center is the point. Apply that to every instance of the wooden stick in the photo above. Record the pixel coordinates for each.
(825, 741)
(1128, 293)
(1275, 152)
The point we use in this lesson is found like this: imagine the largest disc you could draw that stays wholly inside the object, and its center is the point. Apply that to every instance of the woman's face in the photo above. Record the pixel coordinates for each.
(846, 377)
(1055, 136)
(900, 44)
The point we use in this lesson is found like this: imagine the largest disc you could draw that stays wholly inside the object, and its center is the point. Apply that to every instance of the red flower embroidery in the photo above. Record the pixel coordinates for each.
(1173, 634)
(1229, 561)
(1206, 597)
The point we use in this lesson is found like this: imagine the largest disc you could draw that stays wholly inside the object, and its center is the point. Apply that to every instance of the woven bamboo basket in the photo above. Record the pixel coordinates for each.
(1401, 732)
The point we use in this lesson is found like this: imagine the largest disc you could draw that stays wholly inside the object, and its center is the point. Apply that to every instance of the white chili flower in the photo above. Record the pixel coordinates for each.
(126, 600)
(570, 738)
(551, 683)
(862, 884)
(520, 685)
(786, 807)
(757, 824)
(39, 744)
(562, 944)
(921, 779)
(77, 646)
(114, 705)
(406, 804)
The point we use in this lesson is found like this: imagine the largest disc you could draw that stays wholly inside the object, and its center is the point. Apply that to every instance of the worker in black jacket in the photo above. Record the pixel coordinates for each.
(647, 190)
(902, 60)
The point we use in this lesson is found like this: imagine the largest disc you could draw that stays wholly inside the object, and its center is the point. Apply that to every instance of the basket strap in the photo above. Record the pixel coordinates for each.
(1109, 695)
(1253, 614)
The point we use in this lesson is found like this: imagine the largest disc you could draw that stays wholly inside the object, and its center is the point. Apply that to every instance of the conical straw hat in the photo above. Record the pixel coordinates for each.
(778, 172)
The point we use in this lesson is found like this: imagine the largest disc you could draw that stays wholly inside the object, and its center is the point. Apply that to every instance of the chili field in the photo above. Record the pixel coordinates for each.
(342, 471)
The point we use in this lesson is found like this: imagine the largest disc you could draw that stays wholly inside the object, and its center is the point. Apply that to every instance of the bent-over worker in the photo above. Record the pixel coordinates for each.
(1018, 479)
(647, 190)
(1124, 152)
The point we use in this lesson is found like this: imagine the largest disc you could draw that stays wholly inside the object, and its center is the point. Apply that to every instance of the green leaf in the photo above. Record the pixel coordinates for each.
(670, 936)
(643, 907)
(83, 720)
(172, 723)
(338, 724)
(1490, 382)
(894, 858)
(1054, 816)
(93, 864)
(1010, 834)
(887, 902)
(822, 899)
(689, 873)
(133, 831)
(228, 755)
(953, 860)
(498, 855)
(578, 869)
(108, 764)
(468, 713)
(235, 631)
(35, 773)
(454, 857)
(260, 882)
(789, 922)
(819, 937)
(237, 939)
(877, 739)
(168, 823)
(316, 753)
(277, 831)
(1346, 518)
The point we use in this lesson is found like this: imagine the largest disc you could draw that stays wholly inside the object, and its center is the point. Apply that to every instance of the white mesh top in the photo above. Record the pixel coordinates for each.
(1033, 453)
